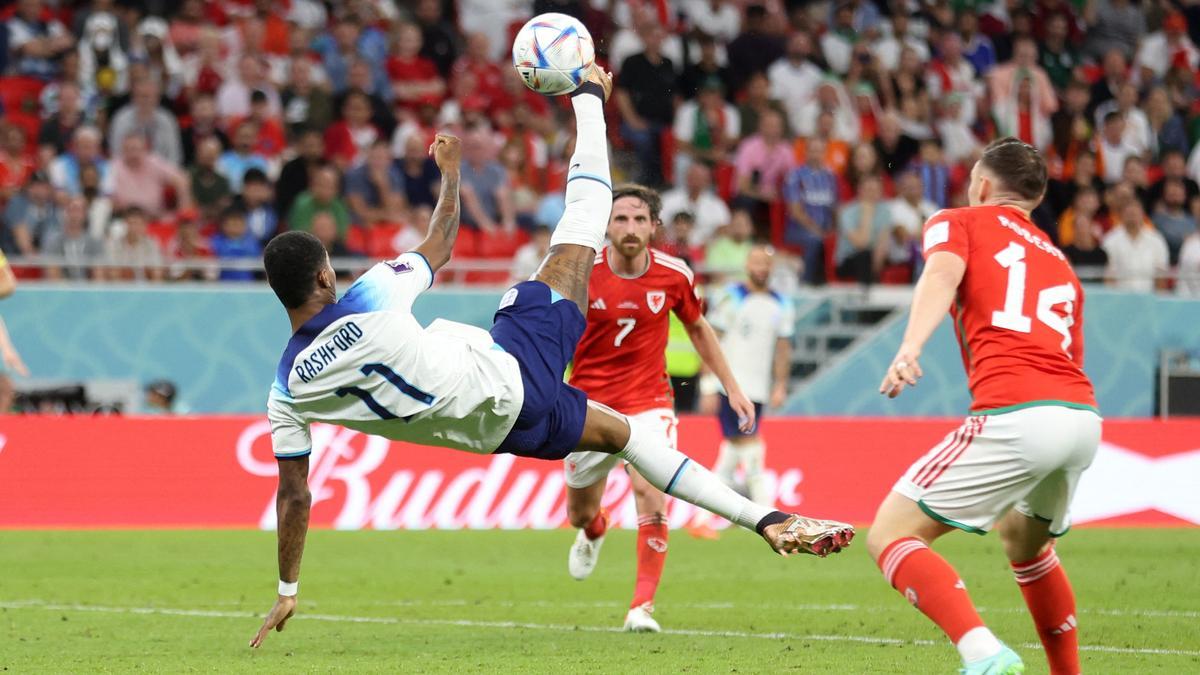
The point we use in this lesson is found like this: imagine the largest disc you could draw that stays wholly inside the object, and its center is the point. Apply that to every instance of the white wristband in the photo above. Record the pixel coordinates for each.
(288, 589)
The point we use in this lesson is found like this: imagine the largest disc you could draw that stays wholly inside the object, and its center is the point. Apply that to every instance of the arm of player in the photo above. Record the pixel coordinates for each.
(932, 298)
(443, 224)
(781, 369)
(704, 338)
(8, 280)
(292, 504)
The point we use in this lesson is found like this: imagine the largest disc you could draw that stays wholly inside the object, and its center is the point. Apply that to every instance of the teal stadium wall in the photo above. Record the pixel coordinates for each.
(221, 346)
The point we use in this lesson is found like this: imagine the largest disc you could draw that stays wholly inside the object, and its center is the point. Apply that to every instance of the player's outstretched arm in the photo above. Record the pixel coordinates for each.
(934, 294)
(708, 346)
(443, 225)
(292, 504)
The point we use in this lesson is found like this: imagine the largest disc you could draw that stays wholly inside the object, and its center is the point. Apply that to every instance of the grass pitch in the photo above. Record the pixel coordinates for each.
(167, 601)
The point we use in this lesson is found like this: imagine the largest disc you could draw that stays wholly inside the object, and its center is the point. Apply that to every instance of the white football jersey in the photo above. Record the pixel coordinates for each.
(367, 364)
(750, 324)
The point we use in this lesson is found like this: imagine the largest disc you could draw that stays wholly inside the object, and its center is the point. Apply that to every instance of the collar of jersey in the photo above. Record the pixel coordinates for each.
(304, 337)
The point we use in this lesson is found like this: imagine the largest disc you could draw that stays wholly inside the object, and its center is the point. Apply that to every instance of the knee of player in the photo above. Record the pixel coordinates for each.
(581, 515)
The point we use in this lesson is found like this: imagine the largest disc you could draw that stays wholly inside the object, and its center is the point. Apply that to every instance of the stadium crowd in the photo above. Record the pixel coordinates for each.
(165, 141)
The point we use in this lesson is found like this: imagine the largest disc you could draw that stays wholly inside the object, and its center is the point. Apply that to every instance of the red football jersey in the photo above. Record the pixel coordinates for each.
(1019, 311)
(621, 359)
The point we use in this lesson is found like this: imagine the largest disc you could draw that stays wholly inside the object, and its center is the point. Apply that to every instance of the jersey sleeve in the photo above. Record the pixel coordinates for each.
(1077, 327)
(787, 319)
(688, 306)
(721, 315)
(289, 432)
(392, 285)
(944, 231)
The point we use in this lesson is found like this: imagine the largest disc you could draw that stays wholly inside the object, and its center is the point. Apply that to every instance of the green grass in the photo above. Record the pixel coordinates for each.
(448, 602)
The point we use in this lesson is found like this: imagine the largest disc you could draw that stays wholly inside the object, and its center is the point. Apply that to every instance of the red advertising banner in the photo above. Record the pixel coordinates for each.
(109, 472)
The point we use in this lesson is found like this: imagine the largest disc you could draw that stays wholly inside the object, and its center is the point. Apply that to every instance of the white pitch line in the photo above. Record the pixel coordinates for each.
(567, 628)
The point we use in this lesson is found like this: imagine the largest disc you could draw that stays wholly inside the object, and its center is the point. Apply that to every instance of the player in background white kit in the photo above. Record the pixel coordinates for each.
(756, 325)
(364, 362)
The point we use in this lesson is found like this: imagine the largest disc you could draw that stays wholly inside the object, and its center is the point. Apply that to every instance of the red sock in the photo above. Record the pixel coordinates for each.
(598, 526)
(651, 556)
(1051, 601)
(931, 585)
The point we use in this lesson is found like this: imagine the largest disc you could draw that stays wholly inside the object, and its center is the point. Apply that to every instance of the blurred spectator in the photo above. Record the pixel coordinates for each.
(960, 144)
(234, 241)
(320, 197)
(754, 49)
(1174, 167)
(909, 211)
(864, 161)
(1060, 193)
(131, 253)
(529, 257)
(708, 211)
(295, 175)
(1083, 248)
(675, 238)
(862, 226)
(153, 45)
(72, 244)
(977, 48)
(58, 129)
(141, 179)
(1137, 132)
(756, 101)
(306, 105)
(64, 170)
(1023, 97)
(209, 187)
(256, 201)
(646, 94)
(894, 148)
(1166, 131)
(233, 98)
(1137, 253)
(347, 140)
(204, 70)
(374, 190)
(1136, 177)
(203, 125)
(189, 254)
(486, 198)
(421, 176)
(905, 85)
(831, 98)
(1072, 129)
(1113, 148)
(837, 44)
(438, 38)
(326, 229)
(16, 163)
(36, 41)
(477, 65)
(950, 73)
(705, 129)
(1113, 24)
(811, 193)
(1173, 218)
(1115, 70)
(1166, 48)
(717, 18)
(760, 165)
(414, 78)
(269, 140)
(32, 214)
(1057, 54)
(103, 66)
(143, 117)
(725, 255)
(707, 67)
(243, 156)
(160, 399)
(837, 151)
(381, 116)
(525, 178)
(351, 40)
(795, 78)
(890, 49)
(1189, 267)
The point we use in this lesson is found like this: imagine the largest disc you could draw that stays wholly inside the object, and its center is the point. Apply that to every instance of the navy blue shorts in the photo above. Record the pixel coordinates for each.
(729, 419)
(541, 329)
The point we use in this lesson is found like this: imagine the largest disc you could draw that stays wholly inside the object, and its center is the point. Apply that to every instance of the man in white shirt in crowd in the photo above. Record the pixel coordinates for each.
(697, 198)
(1137, 253)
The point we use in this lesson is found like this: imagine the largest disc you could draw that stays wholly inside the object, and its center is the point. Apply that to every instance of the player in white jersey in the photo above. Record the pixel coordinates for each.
(364, 362)
(756, 325)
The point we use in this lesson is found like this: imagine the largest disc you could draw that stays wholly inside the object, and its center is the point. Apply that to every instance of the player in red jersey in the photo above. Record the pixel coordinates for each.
(621, 363)
(1033, 428)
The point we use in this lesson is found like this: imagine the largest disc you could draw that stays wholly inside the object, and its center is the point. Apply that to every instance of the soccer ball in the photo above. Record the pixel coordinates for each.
(553, 53)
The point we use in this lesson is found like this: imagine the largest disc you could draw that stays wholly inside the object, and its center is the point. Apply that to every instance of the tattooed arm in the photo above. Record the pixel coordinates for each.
(443, 225)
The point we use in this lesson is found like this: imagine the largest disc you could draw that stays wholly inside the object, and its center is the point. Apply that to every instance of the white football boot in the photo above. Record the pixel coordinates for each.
(583, 556)
(638, 620)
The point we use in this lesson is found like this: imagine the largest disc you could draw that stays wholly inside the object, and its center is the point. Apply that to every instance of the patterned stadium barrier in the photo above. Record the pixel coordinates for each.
(110, 472)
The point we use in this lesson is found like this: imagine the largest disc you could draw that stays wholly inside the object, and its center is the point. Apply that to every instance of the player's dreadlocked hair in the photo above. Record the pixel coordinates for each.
(292, 261)
(649, 197)
(1019, 165)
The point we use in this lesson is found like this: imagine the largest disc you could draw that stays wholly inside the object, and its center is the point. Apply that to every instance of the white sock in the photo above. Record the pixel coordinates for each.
(727, 462)
(977, 644)
(589, 185)
(753, 455)
(678, 475)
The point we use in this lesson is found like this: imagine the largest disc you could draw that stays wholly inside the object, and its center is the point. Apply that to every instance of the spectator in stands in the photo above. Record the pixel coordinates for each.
(1060, 193)
(529, 257)
(103, 66)
(257, 202)
(862, 226)
(831, 98)
(306, 104)
(977, 48)
(486, 200)
(160, 398)
(243, 156)
(235, 242)
(478, 65)
(36, 43)
(1115, 68)
(32, 214)
(1166, 130)
(1173, 218)
(144, 117)
(374, 190)
(894, 148)
(1113, 148)
(325, 229)
(1113, 25)
(705, 129)
(381, 115)
(1166, 48)
(77, 250)
(646, 94)
(676, 237)
(811, 194)
(295, 176)
(320, 197)
(16, 163)
(131, 253)
(755, 48)
(1174, 167)
(58, 129)
(904, 85)
(864, 161)
(1137, 253)
(439, 41)
(756, 101)
(709, 212)
(65, 169)
(347, 140)
(233, 98)
(725, 256)
(269, 140)
(1137, 133)
(210, 187)
(414, 78)
(1023, 97)
(153, 46)
(421, 177)
(889, 49)
(707, 66)
(203, 125)
(1189, 263)
(795, 78)
(1082, 247)
(837, 44)
(951, 73)
(525, 178)
(760, 165)
(1057, 54)
(141, 178)
(189, 253)
(955, 138)
(910, 209)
